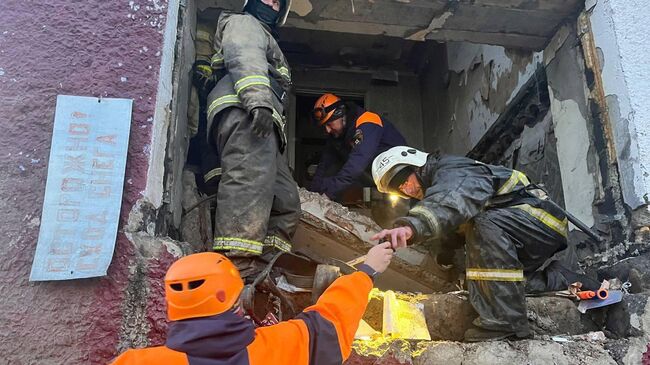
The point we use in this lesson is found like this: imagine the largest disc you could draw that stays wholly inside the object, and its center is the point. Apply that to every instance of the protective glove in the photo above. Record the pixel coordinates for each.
(262, 121)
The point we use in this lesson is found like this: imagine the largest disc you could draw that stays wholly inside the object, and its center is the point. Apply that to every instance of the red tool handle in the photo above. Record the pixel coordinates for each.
(589, 294)
(585, 295)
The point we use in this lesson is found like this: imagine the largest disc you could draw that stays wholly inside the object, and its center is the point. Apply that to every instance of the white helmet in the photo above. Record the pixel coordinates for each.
(390, 163)
(284, 12)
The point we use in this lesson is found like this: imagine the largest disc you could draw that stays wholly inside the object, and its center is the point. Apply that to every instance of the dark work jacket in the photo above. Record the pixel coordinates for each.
(366, 136)
(459, 188)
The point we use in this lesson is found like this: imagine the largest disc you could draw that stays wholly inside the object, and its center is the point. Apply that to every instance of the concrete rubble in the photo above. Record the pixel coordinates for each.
(328, 229)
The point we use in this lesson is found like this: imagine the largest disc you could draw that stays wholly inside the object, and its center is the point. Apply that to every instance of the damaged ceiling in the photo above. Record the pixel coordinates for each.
(526, 24)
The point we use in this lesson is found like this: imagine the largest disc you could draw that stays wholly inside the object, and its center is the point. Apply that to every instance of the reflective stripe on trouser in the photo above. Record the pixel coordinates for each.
(217, 61)
(257, 196)
(559, 226)
(212, 174)
(238, 244)
(494, 274)
(278, 243)
(502, 246)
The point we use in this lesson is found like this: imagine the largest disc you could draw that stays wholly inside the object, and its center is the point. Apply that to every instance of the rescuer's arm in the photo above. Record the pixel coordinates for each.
(324, 332)
(363, 152)
(342, 305)
(326, 160)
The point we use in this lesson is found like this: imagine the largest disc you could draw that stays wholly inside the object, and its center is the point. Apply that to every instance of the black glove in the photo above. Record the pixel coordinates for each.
(262, 121)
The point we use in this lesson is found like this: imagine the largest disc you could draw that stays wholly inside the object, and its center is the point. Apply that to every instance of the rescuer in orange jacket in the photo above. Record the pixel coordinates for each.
(208, 328)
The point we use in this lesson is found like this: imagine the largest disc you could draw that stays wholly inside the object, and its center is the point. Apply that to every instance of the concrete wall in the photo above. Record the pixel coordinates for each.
(400, 102)
(620, 29)
(97, 48)
(480, 82)
(569, 96)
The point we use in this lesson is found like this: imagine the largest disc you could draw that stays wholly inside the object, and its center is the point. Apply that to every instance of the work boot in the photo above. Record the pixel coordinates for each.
(478, 334)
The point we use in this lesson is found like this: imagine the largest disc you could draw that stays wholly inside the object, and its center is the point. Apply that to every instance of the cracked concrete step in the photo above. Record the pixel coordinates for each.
(544, 351)
(449, 315)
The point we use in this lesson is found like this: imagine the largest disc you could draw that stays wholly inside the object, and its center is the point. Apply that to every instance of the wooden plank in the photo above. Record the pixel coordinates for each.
(396, 19)
(548, 6)
(499, 20)
(557, 6)
(498, 39)
(332, 25)
(390, 13)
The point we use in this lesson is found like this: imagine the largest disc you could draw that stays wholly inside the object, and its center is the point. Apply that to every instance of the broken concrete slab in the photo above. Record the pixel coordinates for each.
(449, 315)
(328, 229)
(555, 315)
(630, 317)
(628, 351)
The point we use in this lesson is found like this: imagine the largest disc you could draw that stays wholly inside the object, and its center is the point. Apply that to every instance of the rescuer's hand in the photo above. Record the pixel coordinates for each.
(262, 121)
(398, 236)
(379, 257)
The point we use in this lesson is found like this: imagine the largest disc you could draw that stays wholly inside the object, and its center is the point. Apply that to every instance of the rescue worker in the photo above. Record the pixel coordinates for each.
(257, 201)
(208, 325)
(356, 137)
(510, 228)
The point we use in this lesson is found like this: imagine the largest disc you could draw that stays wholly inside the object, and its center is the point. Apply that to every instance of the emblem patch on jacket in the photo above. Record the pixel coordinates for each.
(357, 138)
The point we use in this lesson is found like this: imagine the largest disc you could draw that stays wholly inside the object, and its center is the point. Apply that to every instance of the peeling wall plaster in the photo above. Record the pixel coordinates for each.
(620, 29)
(88, 48)
(573, 148)
(482, 81)
(436, 23)
(568, 94)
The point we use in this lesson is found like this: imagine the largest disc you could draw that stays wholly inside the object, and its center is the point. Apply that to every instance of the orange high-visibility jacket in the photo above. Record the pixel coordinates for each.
(322, 334)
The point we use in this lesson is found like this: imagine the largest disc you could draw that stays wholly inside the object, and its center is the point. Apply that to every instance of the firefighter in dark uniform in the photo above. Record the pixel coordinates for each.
(257, 201)
(356, 137)
(511, 229)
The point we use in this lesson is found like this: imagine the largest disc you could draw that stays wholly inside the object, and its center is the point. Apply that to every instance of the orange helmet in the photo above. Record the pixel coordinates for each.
(328, 107)
(201, 285)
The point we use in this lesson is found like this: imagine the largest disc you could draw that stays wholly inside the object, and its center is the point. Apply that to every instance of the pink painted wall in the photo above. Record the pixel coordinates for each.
(90, 48)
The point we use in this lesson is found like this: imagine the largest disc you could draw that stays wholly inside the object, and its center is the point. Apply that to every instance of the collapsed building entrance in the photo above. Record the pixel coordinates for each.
(489, 102)
(465, 78)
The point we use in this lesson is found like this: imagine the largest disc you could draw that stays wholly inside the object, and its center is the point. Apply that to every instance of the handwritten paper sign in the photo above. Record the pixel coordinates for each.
(83, 193)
